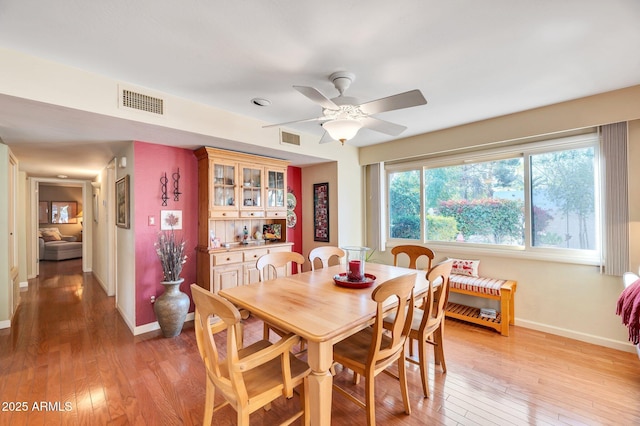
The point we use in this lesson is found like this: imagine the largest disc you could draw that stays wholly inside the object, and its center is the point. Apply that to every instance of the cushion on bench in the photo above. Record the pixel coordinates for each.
(476, 284)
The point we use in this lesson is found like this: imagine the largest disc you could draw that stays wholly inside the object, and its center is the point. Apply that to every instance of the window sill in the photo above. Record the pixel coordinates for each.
(547, 255)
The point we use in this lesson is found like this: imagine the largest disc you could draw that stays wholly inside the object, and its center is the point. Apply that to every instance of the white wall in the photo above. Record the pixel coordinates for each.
(5, 282)
(125, 259)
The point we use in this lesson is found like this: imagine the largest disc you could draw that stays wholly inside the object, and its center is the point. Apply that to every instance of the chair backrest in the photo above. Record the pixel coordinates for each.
(414, 252)
(400, 288)
(437, 296)
(209, 306)
(324, 253)
(278, 260)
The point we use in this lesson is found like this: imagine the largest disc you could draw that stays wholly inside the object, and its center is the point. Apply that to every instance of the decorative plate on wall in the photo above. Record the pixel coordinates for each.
(292, 219)
(291, 201)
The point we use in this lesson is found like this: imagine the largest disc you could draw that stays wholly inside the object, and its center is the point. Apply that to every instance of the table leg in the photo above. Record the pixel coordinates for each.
(320, 359)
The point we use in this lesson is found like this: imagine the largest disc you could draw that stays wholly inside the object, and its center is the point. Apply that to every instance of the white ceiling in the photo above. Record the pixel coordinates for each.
(472, 60)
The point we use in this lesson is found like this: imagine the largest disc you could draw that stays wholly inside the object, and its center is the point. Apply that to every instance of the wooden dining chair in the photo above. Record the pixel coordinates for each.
(277, 263)
(324, 253)
(248, 377)
(414, 253)
(427, 326)
(268, 266)
(370, 351)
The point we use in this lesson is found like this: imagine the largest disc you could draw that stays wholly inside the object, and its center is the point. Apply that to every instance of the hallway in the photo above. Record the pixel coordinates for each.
(70, 350)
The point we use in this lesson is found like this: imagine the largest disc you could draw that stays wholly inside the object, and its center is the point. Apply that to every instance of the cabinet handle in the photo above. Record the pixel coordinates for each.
(224, 214)
(228, 259)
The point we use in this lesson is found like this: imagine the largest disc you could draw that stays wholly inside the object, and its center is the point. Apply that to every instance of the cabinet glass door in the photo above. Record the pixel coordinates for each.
(275, 190)
(251, 187)
(224, 185)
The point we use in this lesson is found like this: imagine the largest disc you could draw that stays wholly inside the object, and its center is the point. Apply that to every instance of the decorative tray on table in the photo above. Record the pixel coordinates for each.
(343, 281)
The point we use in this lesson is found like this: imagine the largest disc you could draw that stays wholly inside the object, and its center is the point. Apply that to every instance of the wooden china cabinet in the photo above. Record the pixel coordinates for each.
(237, 191)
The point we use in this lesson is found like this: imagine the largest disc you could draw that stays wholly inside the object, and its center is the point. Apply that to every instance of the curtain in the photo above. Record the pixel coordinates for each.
(613, 149)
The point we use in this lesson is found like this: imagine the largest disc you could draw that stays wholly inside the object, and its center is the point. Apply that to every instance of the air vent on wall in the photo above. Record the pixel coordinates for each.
(289, 138)
(141, 102)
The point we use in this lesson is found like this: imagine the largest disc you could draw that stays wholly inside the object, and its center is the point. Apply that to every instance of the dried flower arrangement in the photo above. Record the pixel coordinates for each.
(171, 252)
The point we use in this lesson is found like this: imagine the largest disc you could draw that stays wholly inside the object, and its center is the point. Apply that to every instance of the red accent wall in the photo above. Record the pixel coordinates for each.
(294, 185)
(151, 162)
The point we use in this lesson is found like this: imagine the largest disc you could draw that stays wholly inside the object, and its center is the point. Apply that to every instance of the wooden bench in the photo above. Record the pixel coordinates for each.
(487, 288)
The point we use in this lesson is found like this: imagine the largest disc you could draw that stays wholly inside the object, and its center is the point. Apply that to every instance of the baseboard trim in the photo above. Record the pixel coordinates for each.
(5, 324)
(24, 284)
(153, 326)
(583, 337)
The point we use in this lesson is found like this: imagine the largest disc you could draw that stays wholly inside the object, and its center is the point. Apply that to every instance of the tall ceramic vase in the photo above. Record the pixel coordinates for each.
(171, 308)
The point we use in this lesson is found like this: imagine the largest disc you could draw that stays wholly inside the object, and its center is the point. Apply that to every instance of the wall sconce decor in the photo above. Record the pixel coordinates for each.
(176, 185)
(163, 187)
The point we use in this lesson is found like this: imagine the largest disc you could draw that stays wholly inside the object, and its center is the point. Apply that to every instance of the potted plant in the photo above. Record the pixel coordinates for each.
(172, 306)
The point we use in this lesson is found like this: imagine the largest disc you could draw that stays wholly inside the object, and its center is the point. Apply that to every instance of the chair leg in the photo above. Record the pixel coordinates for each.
(243, 416)
(404, 388)
(371, 400)
(438, 337)
(209, 399)
(304, 401)
(265, 332)
(356, 378)
(424, 366)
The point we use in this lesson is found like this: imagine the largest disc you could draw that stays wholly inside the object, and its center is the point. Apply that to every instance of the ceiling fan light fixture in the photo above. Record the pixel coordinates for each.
(342, 129)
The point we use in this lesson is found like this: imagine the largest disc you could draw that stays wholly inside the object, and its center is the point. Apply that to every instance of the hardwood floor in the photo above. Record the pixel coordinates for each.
(70, 359)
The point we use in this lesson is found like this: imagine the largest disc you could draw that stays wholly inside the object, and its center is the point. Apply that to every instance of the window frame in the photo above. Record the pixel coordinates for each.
(524, 151)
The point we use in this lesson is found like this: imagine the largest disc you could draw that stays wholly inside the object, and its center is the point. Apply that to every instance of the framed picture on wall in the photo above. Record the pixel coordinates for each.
(321, 212)
(122, 202)
(170, 219)
(64, 212)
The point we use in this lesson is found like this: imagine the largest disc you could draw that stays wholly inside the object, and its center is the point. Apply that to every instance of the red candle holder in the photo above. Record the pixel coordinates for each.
(354, 273)
(356, 257)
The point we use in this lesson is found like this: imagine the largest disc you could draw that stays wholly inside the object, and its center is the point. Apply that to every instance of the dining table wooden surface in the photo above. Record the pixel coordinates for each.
(311, 305)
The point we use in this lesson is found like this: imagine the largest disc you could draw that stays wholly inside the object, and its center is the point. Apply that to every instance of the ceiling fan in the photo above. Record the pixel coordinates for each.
(343, 116)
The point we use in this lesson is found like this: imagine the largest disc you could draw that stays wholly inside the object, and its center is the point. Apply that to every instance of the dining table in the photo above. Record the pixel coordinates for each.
(322, 311)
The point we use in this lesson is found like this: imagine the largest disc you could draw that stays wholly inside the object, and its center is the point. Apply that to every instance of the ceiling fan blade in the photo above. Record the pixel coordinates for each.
(325, 137)
(401, 100)
(296, 121)
(316, 96)
(382, 126)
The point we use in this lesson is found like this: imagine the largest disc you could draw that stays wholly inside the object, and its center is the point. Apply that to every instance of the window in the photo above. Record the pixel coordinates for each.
(537, 197)
(563, 199)
(478, 202)
(404, 196)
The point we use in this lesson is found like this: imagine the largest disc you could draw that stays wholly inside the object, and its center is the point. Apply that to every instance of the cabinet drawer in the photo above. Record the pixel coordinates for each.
(253, 255)
(227, 258)
(252, 213)
(279, 214)
(223, 214)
